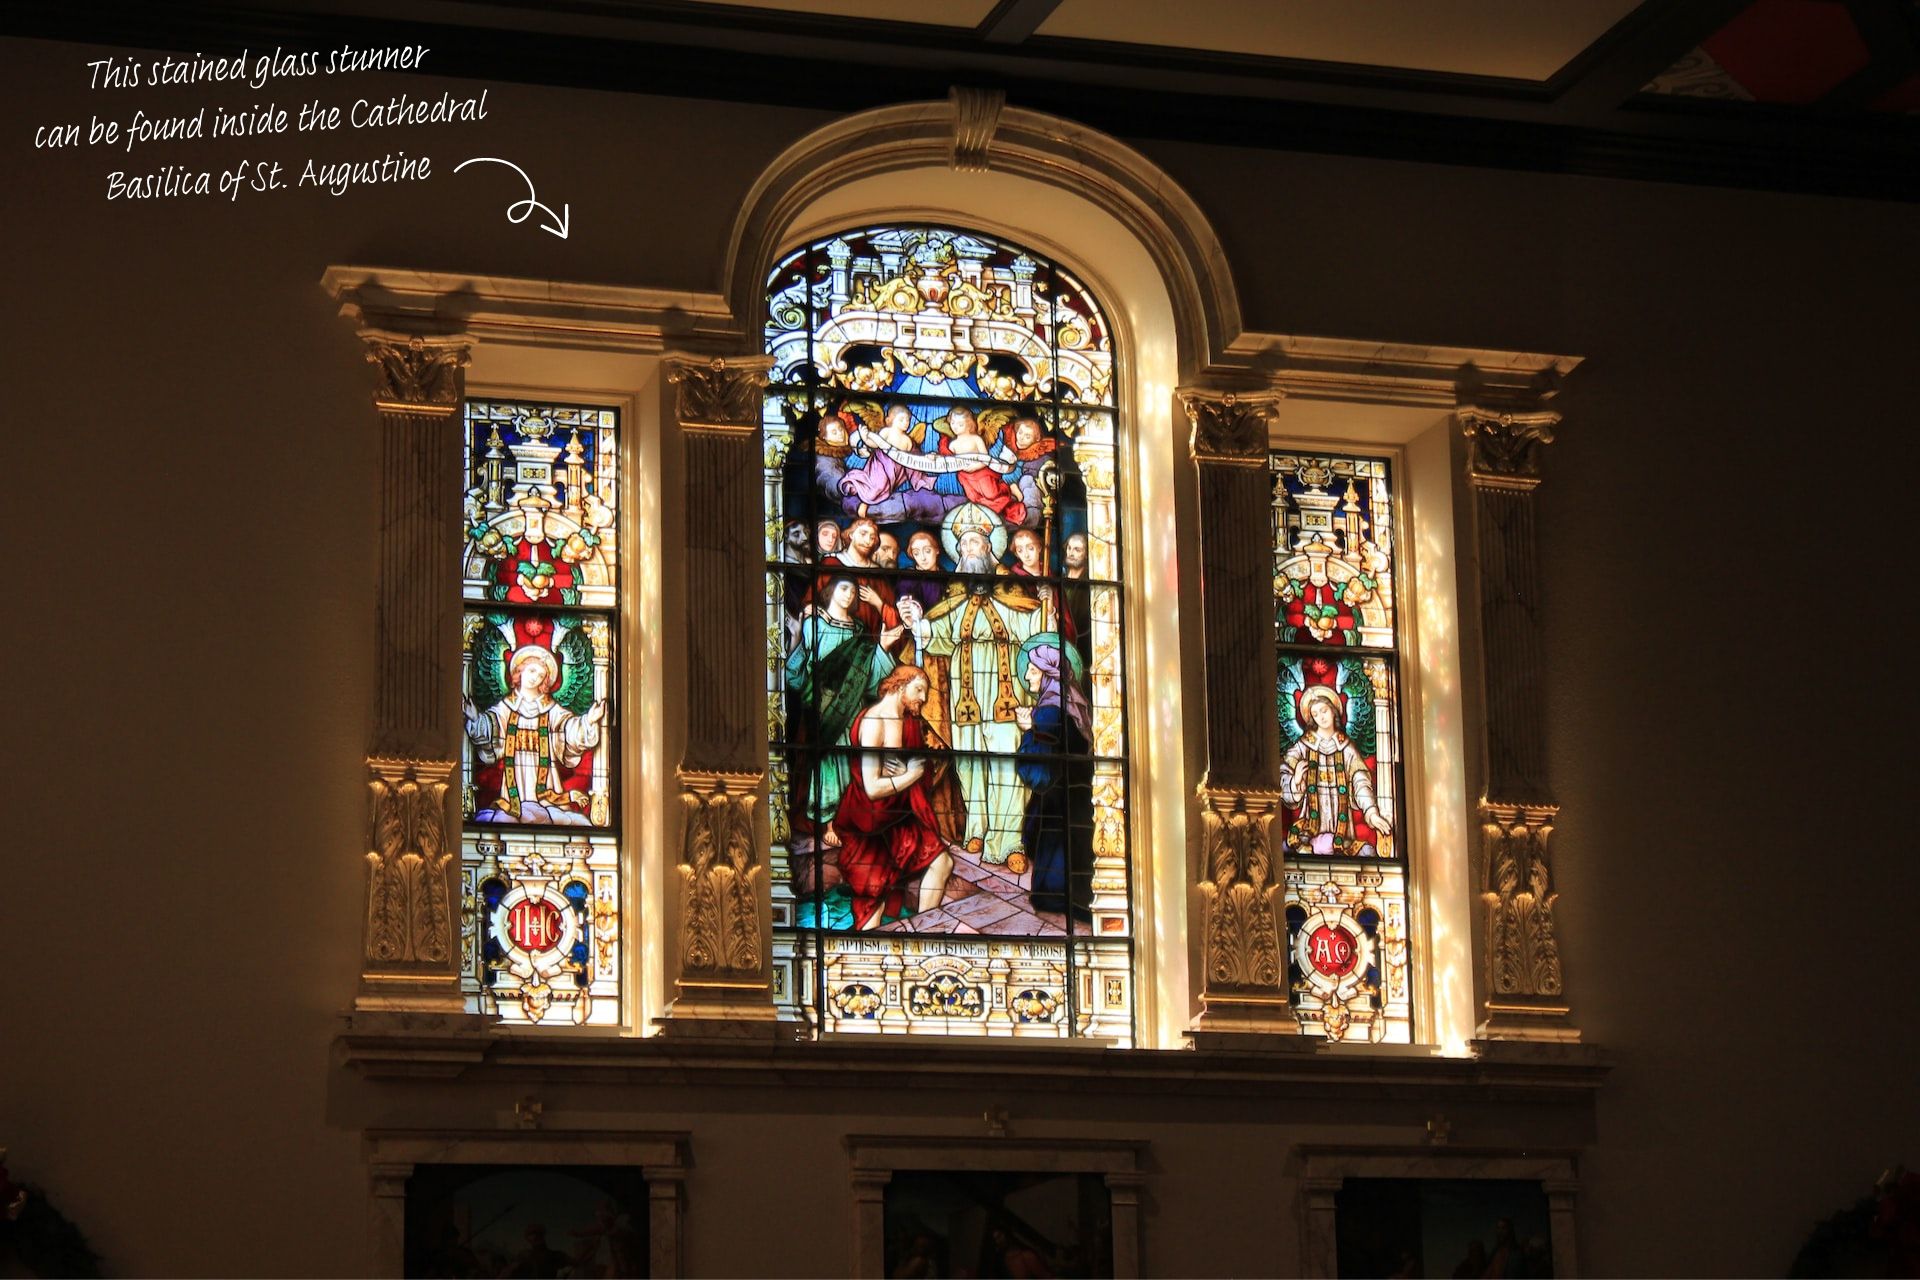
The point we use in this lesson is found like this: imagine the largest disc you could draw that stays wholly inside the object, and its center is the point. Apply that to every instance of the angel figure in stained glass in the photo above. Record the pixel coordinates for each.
(1329, 783)
(982, 474)
(1031, 449)
(889, 486)
(538, 740)
(832, 444)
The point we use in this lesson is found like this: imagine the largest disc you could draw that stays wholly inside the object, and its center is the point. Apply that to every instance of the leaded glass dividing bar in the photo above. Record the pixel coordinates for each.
(1335, 582)
(944, 638)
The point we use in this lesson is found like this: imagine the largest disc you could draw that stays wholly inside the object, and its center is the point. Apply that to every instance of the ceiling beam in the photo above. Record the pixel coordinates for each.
(1152, 94)
(1012, 21)
(1638, 48)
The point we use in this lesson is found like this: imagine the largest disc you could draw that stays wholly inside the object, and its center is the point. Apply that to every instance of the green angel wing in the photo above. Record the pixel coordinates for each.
(1289, 686)
(1361, 728)
(489, 667)
(575, 652)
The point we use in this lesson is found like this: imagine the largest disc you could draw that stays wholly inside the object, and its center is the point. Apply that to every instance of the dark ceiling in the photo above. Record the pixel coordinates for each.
(1798, 95)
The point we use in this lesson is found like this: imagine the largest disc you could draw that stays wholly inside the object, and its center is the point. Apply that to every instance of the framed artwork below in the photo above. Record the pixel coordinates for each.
(995, 1206)
(1437, 1211)
(471, 1220)
(1446, 1227)
(998, 1223)
(525, 1203)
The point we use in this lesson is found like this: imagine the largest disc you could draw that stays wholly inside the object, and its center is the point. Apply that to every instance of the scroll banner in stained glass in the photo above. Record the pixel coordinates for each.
(541, 505)
(945, 693)
(1334, 575)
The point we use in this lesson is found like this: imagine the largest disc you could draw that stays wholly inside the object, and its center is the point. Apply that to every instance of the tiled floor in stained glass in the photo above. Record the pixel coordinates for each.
(981, 898)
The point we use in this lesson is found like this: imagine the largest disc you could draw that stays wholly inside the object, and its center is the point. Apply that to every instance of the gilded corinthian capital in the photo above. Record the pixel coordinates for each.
(1526, 991)
(416, 374)
(718, 394)
(1229, 428)
(408, 915)
(720, 872)
(1245, 969)
(1505, 445)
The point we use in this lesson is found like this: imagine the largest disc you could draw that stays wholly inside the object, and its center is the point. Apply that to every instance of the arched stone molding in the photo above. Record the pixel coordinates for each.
(1031, 144)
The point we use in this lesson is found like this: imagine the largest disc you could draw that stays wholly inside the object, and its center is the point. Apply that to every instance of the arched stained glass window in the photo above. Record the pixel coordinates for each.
(1335, 579)
(539, 855)
(945, 657)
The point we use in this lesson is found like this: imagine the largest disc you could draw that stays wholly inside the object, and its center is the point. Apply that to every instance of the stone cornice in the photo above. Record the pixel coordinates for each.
(648, 321)
(1502, 1072)
(1418, 376)
(543, 312)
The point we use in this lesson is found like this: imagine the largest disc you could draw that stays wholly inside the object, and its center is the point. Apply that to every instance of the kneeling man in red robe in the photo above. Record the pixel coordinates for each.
(896, 815)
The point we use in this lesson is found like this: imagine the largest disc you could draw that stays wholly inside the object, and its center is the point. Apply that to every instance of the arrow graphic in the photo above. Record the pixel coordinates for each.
(520, 210)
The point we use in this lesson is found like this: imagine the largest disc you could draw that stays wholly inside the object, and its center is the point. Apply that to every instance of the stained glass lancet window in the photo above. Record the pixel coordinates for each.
(540, 861)
(1335, 579)
(944, 640)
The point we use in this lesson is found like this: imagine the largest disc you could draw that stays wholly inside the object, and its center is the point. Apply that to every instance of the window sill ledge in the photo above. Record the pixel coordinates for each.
(416, 1046)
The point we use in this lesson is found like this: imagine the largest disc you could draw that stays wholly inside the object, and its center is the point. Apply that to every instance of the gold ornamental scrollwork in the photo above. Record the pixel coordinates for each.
(409, 918)
(1523, 952)
(720, 875)
(719, 394)
(1240, 891)
(417, 374)
(1229, 428)
(1504, 446)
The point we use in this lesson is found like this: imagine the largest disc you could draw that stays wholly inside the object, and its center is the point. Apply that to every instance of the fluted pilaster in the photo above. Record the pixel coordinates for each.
(721, 957)
(1243, 967)
(411, 954)
(1518, 981)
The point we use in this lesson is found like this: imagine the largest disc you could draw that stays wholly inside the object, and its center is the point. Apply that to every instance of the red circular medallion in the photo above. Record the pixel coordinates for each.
(534, 924)
(1332, 951)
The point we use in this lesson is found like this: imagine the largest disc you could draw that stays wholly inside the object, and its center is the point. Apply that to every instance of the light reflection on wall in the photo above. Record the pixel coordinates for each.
(1442, 773)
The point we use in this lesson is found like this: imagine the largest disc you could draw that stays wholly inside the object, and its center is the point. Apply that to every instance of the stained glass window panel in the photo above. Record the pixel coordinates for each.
(1341, 780)
(539, 750)
(925, 310)
(540, 944)
(541, 876)
(1347, 951)
(541, 504)
(1333, 572)
(944, 675)
(1339, 770)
